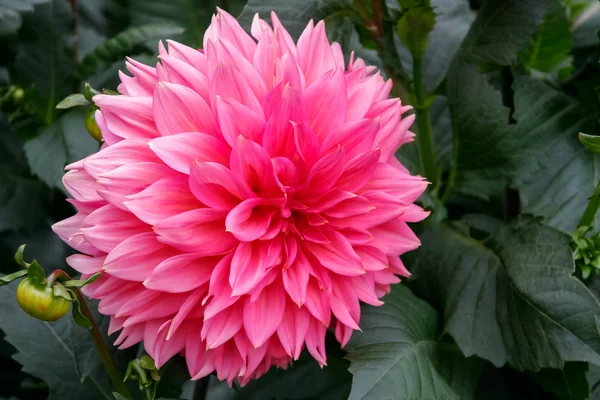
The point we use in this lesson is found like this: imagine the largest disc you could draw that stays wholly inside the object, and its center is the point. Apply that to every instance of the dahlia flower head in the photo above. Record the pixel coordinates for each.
(246, 199)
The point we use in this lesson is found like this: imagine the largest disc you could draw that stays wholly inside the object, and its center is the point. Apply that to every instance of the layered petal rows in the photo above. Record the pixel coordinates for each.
(245, 200)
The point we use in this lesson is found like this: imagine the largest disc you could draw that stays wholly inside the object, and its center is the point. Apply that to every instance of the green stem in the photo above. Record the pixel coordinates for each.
(425, 136)
(99, 342)
(590, 212)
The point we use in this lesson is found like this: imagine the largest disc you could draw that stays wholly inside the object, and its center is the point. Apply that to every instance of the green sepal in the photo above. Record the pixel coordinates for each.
(147, 362)
(413, 29)
(89, 92)
(19, 256)
(72, 100)
(592, 142)
(79, 318)
(60, 291)
(6, 279)
(79, 283)
(36, 272)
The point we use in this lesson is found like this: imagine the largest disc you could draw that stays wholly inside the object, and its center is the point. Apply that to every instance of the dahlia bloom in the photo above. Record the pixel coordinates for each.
(246, 198)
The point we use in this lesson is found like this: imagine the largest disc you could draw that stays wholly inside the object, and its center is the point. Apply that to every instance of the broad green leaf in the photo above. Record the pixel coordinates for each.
(585, 24)
(59, 144)
(192, 15)
(22, 198)
(44, 350)
(570, 383)
(10, 13)
(592, 142)
(44, 58)
(73, 100)
(511, 299)
(116, 48)
(551, 45)
(555, 173)
(502, 29)
(397, 356)
(452, 21)
(485, 143)
(329, 383)
(85, 354)
(295, 14)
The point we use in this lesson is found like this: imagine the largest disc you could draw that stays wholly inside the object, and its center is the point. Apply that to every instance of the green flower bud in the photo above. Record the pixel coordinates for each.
(91, 125)
(39, 301)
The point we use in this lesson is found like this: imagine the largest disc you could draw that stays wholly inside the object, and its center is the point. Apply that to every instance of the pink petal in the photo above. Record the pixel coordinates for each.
(325, 102)
(200, 231)
(165, 198)
(216, 186)
(250, 219)
(181, 273)
(179, 109)
(179, 151)
(268, 309)
(135, 258)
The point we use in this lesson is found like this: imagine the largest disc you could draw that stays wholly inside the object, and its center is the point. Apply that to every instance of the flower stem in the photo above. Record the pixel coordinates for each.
(425, 136)
(99, 342)
(590, 212)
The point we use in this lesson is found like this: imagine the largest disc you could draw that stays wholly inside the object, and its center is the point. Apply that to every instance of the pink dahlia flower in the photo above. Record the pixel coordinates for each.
(246, 198)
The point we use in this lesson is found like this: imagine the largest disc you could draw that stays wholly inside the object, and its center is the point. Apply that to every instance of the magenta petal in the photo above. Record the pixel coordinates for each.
(268, 309)
(250, 219)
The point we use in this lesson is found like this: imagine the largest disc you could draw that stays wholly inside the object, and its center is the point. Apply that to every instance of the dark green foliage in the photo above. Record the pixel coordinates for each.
(496, 309)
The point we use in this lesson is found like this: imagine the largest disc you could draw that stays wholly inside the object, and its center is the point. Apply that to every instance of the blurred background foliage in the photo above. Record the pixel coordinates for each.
(534, 62)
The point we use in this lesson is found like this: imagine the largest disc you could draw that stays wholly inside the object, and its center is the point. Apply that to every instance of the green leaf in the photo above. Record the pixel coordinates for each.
(331, 383)
(6, 279)
(44, 59)
(511, 298)
(73, 100)
(485, 144)
(79, 283)
(116, 48)
(192, 15)
(120, 396)
(555, 173)
(585, 25)
(452, 22)
(78, 316)
(19, 256)
(36, 273)
(63, 142)
(88, 363)
(44, 350)
(592, 142)
(10, 13)
(552, 44)
(295, 14)
(413, 29)
(502, 28)
(397, 356)
(570, 383)
(59, 291)
(22, 198)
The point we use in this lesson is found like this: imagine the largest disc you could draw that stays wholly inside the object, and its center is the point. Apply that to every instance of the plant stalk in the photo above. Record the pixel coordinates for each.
(99, 342)
(425, 135)
(590, 212)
